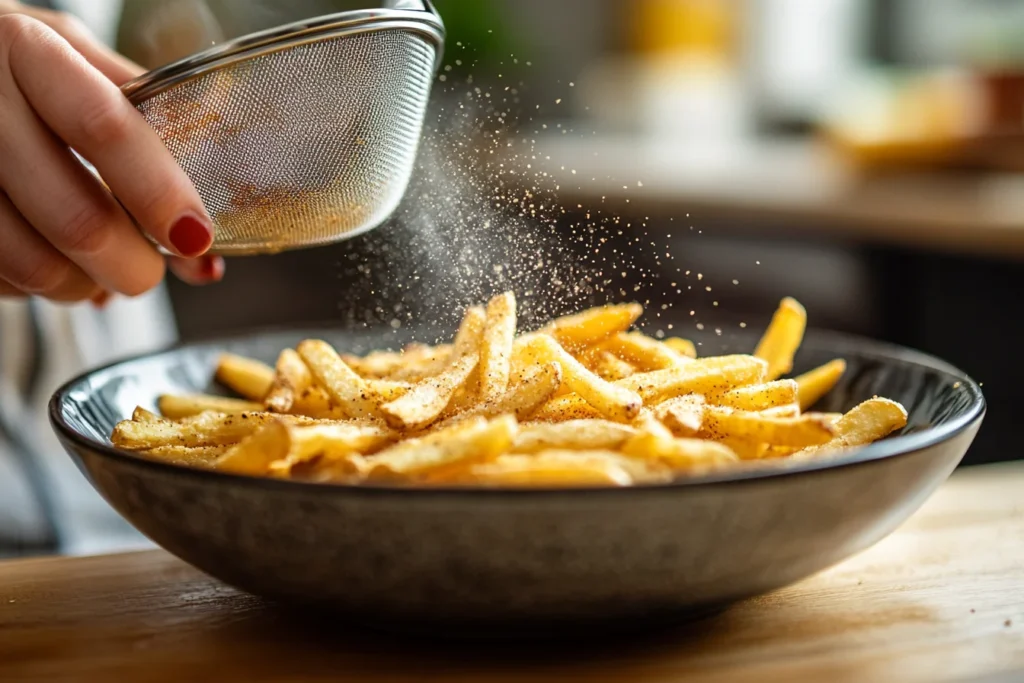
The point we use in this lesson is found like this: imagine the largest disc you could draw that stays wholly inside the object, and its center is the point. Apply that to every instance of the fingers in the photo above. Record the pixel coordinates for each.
(90, 114)
(31, 265)
(199, 271)
(110, 64)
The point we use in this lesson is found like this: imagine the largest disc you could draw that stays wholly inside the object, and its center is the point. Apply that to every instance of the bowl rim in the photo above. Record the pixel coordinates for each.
(844, 344)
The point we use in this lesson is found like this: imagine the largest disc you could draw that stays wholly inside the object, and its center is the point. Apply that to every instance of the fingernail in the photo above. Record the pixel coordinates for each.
(190, 236)
(212, 268)
(100, 300)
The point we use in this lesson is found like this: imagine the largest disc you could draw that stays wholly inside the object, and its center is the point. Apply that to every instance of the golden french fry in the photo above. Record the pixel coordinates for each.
(683, 347)
(254, 453)
(561, 408)
(683, 415)
(593, 325)
(496, 346)
(474, 440)
(245, 376)
(291, 378)
(693, 456)
(424, 402)
(867, 422)
(199, 456)
(140, 414)
(409, 364)
(614, 402)
(572, 435)
(175, 407)
(347, 390)
(643, 352)
(520, 399)
(804, 430)
(701, 376)
(747, 450)
(816, 383)
(758, 396)
(546, 468)
(607, 365)
(789, 410)
(782, 338)
(647, 423)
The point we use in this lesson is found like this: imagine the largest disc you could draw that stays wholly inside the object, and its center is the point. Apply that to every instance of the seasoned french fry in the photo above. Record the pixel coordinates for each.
(758, 396)
(572, 434)
(870, 421)
(254, 453)
(607, 365)
(347, 389)
(140, 414)
(782, 338)
(693, 456)
(496, 346)
(593, 325)
(249, 378)
(816, 383)
(568, 407)
(746, 449)
(614, 402)
(683, 347)
(200, 456)
(789, 410)
(521, 399)
(683, 415)
(425, 401)
(474, 440)
(291, 378)
(804, 430)
(701, 376)
(643, 352)
(187, 405)
(546, 468)
(205, 429)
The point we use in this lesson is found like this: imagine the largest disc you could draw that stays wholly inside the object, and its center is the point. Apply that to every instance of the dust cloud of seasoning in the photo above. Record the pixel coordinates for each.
(482, 216)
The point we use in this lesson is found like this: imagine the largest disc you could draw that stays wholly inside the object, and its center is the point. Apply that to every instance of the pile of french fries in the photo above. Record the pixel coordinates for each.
(582, 401)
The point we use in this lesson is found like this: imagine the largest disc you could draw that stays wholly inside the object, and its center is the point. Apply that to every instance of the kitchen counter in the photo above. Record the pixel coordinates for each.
(798, 187)
(941, 599)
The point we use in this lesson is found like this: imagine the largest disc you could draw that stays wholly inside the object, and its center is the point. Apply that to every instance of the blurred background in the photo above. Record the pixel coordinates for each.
(863, 156)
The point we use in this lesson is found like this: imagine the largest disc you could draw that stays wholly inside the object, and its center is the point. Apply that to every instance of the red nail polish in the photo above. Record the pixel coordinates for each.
(213, 268)
(190, 236)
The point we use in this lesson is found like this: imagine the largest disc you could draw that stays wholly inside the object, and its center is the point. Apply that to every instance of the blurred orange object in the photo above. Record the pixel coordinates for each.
(701, 28)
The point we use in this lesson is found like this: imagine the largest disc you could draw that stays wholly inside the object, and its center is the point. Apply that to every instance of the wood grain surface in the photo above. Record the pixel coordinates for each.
(942, 599)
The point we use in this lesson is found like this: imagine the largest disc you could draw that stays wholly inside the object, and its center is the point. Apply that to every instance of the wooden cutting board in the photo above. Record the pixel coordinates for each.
(942, 599)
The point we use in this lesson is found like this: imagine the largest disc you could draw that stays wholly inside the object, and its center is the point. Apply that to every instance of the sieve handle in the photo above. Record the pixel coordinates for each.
(413, 5)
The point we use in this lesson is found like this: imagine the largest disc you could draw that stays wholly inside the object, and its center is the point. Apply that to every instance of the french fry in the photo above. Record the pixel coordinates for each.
(140, 414)
(521, 399)
(249, 378)
(200, 456)
(641, 351)
(701, 376)
(804, 430)
(205, 429)
(347, 389)
(814, 384)
(593, 325)
(187, 405)
(254, 453)
(474, 440)
(409, 364)
(746, 449)
(694, 456)
(568, 407)
(614, 402)
(291, 378)
(867, 422)
(758, 396)
(782, 338)
(572, 434)
(544, 469)
(496, 346)
(683, 415)
(424, 402)
(683, 347)
(607, 365)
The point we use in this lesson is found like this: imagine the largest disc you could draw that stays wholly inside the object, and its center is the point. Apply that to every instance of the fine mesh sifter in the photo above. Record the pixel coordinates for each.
(302, 135)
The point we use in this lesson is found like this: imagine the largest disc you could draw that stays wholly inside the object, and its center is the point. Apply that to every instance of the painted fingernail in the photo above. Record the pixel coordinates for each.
(190, 236)
(100, 300)
(212, 268)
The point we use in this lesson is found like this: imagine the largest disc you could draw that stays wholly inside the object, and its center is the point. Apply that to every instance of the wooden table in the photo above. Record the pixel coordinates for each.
(942, 599)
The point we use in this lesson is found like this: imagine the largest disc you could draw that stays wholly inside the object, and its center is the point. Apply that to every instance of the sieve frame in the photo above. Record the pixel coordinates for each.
(425, 22)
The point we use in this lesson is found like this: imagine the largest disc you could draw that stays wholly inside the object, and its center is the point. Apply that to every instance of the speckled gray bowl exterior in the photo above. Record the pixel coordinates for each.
(469, 558)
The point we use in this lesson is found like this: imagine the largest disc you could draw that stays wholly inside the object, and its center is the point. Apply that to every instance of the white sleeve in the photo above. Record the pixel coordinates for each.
(101, 16)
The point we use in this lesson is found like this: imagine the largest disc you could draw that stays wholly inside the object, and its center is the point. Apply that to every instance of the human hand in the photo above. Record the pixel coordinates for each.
(64, 235)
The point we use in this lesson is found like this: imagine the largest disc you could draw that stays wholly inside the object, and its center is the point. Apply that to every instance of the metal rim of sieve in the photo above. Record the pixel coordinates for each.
(425, 22)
